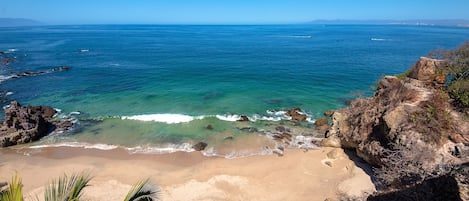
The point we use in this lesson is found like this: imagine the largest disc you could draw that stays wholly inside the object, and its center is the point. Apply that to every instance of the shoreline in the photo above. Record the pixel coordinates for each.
(298, 175)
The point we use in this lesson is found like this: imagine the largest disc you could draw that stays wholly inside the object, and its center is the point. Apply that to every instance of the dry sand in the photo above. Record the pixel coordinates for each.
(298, 175)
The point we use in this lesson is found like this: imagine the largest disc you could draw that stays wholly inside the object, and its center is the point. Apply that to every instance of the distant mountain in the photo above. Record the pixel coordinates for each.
(452, 22)
(13, 22)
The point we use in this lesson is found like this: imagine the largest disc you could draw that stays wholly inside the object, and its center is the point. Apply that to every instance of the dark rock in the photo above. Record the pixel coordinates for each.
(281, 129)
(248, 129)
(329, 113)
(64, 125)
(46, 111)
(26, 124)
(296, 114)
(285, 138)
(7, 60)
(200, 146)
(60, 68)
(209, 127)
(243, 118)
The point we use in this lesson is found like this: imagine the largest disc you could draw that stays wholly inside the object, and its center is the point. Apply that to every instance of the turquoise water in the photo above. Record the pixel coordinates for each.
(198, 72)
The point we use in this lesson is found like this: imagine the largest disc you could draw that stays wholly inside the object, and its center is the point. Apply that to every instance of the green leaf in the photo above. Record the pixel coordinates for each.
(14, 191)
(67, 188)
(143, 191)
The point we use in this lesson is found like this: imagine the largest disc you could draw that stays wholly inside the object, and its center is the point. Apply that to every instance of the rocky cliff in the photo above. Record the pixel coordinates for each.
(408, 129)
(410, 112)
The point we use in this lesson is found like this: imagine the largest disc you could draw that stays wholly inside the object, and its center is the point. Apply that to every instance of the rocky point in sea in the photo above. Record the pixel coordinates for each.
(407, 130)
(24, 124)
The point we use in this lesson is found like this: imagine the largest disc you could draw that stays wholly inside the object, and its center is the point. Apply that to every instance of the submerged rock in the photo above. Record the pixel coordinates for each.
(296, 114)
(200, 146)
(243, 118)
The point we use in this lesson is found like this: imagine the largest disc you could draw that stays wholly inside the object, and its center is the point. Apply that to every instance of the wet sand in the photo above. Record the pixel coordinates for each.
(298, 175)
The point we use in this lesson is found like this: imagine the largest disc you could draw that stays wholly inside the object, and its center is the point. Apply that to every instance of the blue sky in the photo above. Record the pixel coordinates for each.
(228, 11)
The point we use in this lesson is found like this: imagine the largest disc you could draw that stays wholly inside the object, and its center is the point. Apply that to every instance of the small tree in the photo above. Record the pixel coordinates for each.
(457, 71)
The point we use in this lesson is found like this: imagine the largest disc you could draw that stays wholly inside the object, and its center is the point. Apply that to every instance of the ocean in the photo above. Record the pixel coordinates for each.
(157, 88)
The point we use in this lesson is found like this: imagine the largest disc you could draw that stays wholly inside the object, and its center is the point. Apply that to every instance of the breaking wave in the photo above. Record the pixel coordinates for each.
(163, 118)
(182, 118)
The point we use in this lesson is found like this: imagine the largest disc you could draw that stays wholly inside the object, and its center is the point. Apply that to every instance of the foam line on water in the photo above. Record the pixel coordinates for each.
(163, 118)
(77, 145)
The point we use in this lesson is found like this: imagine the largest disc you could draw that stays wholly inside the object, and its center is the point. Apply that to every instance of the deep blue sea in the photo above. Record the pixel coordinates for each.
(154, 88)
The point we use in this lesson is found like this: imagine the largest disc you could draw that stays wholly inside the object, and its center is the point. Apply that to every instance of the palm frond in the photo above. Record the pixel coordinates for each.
(67, 188)
(14, 191)
(143, 191)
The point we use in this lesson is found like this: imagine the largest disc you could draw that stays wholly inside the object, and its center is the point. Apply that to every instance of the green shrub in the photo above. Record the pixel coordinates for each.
(459, 91)
(458, 71)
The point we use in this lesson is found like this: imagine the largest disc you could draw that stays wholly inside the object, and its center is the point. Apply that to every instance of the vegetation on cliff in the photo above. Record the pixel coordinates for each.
(457, 70)
(414, 128)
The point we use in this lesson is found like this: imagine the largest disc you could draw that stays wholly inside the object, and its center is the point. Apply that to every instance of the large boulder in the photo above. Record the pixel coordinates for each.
(25, 124)
(426, 69)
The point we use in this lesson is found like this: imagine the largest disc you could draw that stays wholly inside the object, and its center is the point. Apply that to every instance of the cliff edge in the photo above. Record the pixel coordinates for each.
(408, 130)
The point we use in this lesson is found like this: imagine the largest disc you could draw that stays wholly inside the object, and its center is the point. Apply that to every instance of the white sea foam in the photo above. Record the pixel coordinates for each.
(212, 152)
(9, 93)
(12, 50)
(267, 118)
(228, 117)
(165, 149)
(276, 113)
(377, 39)
(300, 36)
(84, 50)
(181, 118)
(75, 113)
(78, 145)
(163, 118)
(3, 78)
(304, 142)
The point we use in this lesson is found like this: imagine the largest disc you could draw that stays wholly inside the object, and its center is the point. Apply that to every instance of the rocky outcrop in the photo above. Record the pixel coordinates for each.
(426, 70)
(31, 73)
(296, 114)
(25, 124)
(403, 112)
(200, 146)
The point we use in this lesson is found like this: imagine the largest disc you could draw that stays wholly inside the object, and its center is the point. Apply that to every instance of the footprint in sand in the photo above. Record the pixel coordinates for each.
(331, 157)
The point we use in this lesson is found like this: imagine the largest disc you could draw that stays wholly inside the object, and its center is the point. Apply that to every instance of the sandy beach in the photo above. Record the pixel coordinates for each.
(298, 175)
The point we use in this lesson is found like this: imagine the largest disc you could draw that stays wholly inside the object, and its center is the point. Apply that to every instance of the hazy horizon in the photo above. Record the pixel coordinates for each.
(230, 12)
